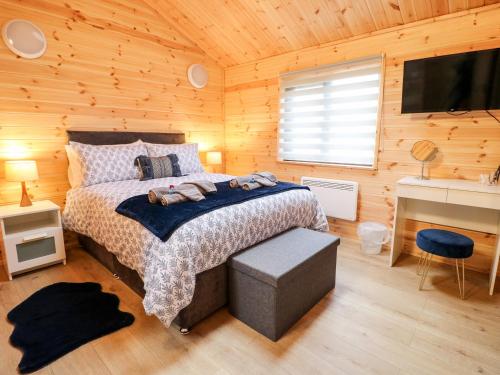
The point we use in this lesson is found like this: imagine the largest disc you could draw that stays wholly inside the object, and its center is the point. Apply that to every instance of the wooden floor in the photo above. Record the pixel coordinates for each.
(374, 322)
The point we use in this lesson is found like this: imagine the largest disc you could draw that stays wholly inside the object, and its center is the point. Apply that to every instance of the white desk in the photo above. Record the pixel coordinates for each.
(455, 203)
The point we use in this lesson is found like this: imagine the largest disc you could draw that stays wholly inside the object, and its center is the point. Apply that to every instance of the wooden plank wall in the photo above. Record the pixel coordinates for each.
(109, 65)
(469, 144)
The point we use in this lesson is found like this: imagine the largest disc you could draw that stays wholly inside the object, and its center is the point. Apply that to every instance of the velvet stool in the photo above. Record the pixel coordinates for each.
(446, 244)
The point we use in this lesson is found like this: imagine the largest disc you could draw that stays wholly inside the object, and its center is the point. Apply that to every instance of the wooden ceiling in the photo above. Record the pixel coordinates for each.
(237, 31)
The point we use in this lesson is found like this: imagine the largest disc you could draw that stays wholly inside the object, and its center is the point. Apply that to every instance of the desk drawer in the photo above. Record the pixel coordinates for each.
(474, 198)
(422, 192)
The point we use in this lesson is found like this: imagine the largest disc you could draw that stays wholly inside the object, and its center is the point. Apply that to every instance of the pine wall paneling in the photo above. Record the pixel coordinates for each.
(109, 65)
(114, 65)
(469, 144)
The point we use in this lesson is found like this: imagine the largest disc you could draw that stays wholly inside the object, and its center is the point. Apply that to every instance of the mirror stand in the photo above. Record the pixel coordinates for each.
(422, 177)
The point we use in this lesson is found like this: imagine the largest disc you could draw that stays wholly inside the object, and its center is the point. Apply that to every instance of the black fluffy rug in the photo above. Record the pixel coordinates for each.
(61, 317)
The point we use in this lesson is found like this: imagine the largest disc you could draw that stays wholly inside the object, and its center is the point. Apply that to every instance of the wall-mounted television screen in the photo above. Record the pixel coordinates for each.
(461, 82)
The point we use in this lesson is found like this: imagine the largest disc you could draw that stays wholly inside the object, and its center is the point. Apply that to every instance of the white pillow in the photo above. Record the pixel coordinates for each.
(187, 153)
(107, 163)
(75, 175)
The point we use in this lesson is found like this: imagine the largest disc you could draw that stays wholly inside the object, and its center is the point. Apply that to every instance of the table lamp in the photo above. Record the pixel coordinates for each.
(21, 171)
(214, 158)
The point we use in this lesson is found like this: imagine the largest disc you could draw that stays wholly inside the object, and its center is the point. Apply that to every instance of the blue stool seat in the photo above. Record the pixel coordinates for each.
(445, 243)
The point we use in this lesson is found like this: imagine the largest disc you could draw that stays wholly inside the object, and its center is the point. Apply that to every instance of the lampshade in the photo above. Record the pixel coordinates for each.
(21, 170)
(214, 157)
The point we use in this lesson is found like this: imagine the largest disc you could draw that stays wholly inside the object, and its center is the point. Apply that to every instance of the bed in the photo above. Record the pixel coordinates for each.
(184, 279)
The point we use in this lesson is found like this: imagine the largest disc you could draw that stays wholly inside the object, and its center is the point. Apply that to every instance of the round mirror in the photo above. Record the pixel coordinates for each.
(198, 76)
(24, 38)
(424, 150)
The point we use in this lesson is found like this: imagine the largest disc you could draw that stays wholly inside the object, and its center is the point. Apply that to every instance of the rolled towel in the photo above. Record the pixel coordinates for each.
(155, 194)
(239, 181)
(172, 198)
(251, 185)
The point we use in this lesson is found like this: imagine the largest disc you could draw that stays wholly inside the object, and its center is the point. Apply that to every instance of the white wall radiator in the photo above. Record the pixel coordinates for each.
(338, 198)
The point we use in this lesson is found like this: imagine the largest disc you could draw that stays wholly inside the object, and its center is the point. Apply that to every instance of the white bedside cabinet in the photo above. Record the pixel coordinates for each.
(32, 236)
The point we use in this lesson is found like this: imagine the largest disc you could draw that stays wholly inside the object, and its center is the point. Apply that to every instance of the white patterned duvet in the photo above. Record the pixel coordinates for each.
(168, 269)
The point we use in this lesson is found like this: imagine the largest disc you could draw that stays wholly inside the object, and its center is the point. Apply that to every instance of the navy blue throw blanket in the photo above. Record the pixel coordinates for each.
(162, 221)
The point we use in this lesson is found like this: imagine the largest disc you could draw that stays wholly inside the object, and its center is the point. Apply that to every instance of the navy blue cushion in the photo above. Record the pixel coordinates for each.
(158, 167)
(445, 243)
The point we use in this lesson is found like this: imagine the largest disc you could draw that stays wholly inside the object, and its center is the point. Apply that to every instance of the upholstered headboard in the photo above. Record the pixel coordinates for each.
(115, 137)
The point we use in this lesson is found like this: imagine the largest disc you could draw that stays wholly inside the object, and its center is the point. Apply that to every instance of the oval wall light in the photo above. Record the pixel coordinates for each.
(24, 38)
(197, 75)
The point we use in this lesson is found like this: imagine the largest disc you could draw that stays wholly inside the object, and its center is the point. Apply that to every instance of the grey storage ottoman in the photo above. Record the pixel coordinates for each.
(274, 283)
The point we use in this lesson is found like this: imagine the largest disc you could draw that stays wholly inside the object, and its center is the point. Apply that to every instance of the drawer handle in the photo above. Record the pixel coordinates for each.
(35, 237)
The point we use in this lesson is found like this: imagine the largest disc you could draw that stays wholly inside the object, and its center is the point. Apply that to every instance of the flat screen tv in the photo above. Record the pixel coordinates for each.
(461, 82)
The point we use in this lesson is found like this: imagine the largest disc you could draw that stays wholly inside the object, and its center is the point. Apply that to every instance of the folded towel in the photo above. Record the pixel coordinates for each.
(192, 191)
(205, 186)
(254, 181)
(265, 178)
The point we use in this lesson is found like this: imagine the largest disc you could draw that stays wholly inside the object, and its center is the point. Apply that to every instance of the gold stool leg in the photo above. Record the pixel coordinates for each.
(461, 283)
(425, 270)
(419, 265)
(463, 279)
(458, 279)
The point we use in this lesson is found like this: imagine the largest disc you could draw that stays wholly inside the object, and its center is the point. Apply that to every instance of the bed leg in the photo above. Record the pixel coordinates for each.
(184, 331)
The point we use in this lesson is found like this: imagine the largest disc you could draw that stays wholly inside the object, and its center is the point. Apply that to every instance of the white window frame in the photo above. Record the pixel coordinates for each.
(336, 66)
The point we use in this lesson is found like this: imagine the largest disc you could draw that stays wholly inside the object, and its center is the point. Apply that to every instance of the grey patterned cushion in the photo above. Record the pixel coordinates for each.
(108, 163)
(189, 160)
(158, 167)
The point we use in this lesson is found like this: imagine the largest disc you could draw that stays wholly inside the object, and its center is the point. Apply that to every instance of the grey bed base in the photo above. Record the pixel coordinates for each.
(210, 293)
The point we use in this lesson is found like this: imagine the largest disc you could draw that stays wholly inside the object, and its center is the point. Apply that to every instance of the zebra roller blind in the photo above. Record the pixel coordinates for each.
(330, 114)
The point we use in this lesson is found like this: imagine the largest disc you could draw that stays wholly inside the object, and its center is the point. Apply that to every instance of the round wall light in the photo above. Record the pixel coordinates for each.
(197, 76)
(24, 38)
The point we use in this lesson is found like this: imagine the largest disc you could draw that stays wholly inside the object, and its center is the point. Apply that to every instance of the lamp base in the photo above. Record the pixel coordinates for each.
(25, 199)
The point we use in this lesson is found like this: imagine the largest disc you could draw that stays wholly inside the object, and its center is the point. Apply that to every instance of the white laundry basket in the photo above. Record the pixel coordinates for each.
(373, 235)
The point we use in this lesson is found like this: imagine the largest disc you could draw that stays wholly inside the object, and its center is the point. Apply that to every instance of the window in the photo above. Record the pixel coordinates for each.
(330, 114)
